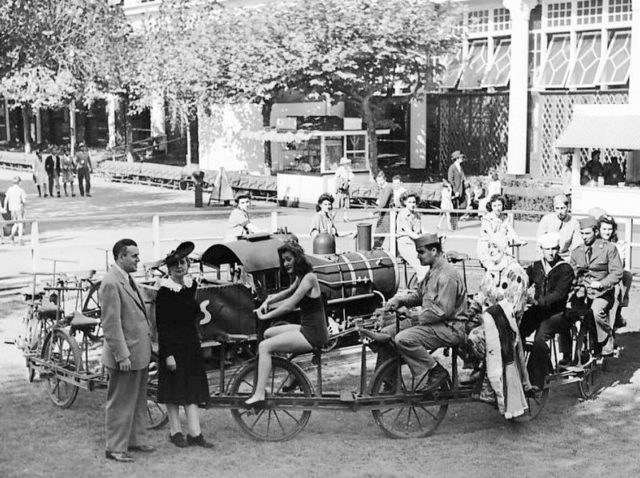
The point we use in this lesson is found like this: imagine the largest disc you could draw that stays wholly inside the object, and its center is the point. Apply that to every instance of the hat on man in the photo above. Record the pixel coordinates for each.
(183, 250)
(16, 180)
(344, 161)
(427, 240)
(242, 194)
(588, 222)
(549, 240)
(456, 154)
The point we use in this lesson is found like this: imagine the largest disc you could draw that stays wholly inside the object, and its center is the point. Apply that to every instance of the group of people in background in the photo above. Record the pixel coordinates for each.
(54, 167)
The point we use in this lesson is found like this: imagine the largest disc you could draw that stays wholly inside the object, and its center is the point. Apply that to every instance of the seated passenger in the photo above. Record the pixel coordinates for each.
(323, 220)
(408, 229)
(552, 278)
(239, 222)
(291, 338)
(597, 265)
(494, 223)
(441, 318)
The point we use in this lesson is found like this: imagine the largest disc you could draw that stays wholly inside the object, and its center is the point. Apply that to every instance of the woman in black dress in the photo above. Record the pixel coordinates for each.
(182, 379)
(291, 338)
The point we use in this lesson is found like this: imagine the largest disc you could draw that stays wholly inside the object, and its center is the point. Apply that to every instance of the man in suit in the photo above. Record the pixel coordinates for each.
(126, 354)
(456, 177)
(598, 267)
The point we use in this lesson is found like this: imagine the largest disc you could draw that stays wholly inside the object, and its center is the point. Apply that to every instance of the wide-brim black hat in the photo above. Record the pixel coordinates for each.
(183, 250)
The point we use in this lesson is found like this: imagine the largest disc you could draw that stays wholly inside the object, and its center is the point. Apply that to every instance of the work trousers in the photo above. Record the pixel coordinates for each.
(126, 409)
(84, 177)
(414, 343)
(545, 326)
(601, 307)
(53, 179)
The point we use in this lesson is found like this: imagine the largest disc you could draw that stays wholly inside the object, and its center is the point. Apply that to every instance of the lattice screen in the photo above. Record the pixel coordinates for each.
(557, 110)
(477, 125)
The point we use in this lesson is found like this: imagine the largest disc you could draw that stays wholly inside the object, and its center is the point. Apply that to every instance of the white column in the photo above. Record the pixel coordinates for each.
(518, 84)
(158, 119)
(112, 104)
(418, 133)
(634, 77)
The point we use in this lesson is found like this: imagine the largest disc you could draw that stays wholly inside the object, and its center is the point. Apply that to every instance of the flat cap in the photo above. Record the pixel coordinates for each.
(456, 154)
(588, 222)
(427, 240)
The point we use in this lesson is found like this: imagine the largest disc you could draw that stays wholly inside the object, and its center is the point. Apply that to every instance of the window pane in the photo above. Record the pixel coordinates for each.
(451, 74)
(619, 10)
(498, 72)
(501, 19)
(475, 66)
(478, 21)
(615, 68)
(554, 71)
(559, 14)
(587, 60)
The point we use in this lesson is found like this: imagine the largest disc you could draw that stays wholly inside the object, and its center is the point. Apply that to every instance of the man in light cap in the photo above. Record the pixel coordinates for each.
(552, 278)
(561, 222)
(441, 320)
(598, 267)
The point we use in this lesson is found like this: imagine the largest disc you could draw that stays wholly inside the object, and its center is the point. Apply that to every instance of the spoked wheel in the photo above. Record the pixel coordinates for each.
(413, 281)
(156, 412)
(592, 381)
(91, 306)
(272, 423)
(411, 418)
(536, 403)
(62, 352)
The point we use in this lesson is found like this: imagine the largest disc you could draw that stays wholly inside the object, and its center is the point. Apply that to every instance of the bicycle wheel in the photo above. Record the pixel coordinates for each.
(91, 306)
(592, 381)
(62, 351)
(536, 403)
(410, 419)
(413, 281)
(271, 423)
(156, 412)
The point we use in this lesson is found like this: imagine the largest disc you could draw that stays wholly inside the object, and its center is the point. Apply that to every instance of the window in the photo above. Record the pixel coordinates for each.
(478, 21)
(535, 55)
(589, 12)
(501, 19)
(355, 150)
(556, 66)
(615, 67)
(559, 14)
(587, 60)
(475, 65)
(619, 10)
(498, 72)
(451, 74)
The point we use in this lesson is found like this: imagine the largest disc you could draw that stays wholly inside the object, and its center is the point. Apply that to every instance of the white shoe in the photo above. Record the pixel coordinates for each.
(608, 348)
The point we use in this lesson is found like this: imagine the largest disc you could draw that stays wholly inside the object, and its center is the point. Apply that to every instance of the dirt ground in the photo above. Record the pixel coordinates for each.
(570, 438)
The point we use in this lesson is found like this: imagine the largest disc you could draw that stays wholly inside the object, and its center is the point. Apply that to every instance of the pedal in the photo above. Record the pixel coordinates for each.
(347, 396)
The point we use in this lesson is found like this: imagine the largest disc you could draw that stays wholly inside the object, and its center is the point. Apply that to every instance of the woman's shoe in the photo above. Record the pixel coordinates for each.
(199, 441)
(178, 440)
(258, 404)
(290, 387)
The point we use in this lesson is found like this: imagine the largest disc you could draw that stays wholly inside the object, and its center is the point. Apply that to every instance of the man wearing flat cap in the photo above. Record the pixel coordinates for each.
(552, 278)
(239, 222)
(598, 267)
(441, 320)
(456, 177)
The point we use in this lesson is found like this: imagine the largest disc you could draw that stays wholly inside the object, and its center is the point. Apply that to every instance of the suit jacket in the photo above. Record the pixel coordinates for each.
(605, 265)
(127, 332)
(456, 178)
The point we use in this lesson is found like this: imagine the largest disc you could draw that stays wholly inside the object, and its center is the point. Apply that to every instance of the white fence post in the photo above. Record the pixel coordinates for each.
(157, 249)
(392, 233)
(628, 238)
(35, 246)
(274, 221)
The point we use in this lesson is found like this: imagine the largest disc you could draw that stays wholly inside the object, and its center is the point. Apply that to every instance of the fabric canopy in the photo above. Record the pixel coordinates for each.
(602, 126)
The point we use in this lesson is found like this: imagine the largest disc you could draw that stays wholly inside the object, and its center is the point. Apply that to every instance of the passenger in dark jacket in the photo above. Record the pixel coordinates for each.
(552, 278)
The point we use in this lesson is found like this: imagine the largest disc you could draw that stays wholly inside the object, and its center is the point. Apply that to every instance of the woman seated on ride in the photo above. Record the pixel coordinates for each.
(291, 338)
(182, 379)
(323, 220)
(495, 222)
(408, 229)
(498, 307)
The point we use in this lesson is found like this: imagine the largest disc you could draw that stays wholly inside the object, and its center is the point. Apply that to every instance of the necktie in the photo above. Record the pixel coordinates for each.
(587, 253)
(132, 283)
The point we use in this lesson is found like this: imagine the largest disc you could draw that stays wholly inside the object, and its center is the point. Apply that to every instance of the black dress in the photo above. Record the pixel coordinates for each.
(177, 315)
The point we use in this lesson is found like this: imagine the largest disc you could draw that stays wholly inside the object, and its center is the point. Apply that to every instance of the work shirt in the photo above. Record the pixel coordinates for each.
(408, 222)
(323, 223)
(568, 229)
(442, 295)
(239, 225)
(598, 262)
(15, 199)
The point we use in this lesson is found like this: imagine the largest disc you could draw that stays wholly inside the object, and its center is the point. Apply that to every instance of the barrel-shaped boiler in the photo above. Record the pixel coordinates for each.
(352, 274)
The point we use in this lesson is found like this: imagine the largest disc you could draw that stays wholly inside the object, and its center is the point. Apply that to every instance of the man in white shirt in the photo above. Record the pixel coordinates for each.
(14, 203)
(562, 223)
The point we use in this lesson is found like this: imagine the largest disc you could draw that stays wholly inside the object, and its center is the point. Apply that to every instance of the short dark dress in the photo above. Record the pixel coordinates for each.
(313, 321)
(177, 315)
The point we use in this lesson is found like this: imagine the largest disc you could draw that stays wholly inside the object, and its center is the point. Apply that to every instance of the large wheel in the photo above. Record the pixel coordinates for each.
(62, 351)
(91, 306)
(536, 403)
(412, 418)
(272, 423)
(156, 412)
(592, 381)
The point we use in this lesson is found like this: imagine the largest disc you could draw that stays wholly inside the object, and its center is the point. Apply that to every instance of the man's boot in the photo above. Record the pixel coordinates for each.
(39, 191)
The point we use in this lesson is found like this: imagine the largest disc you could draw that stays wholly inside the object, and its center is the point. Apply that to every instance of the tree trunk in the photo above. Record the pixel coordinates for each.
(187, 127)
(72, 128)
(372, 138)
(26, 127)
(267, 106)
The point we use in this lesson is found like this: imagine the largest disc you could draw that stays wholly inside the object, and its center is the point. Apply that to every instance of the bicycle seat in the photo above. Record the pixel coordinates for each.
(453, 256)
(48, 311)
(80, 320)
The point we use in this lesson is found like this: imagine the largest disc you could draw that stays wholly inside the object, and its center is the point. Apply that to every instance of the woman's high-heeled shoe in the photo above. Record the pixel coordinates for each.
(257, 405)
(290, 387)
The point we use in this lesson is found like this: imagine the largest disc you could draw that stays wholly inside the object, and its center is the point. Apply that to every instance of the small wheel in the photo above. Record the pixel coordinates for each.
(412, 418)
(91, 306)
(271, 423)
(156, 412)
(413, 281)
(330, 345)
(592, 380)
(62, 351)
(536, 403)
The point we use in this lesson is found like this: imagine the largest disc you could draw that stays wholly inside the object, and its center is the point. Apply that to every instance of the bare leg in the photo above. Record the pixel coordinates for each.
(174, 418)
(193, 419)
(288, 341)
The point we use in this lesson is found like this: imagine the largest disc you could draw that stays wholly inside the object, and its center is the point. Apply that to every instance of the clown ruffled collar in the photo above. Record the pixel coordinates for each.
(174, 286)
